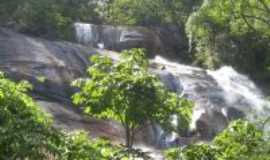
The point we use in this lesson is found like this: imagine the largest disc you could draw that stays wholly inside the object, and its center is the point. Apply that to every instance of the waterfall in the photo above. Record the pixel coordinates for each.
(100, 36)
(86, 34)
(220, 96)
(236, 85)
(119, 38)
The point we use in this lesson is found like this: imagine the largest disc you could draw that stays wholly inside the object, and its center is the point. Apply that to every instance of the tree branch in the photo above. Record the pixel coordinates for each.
(264, 5)
(258, 18)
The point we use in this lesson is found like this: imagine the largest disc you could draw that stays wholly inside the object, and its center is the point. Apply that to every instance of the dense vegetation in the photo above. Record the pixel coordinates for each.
(49, 18)
(24, 128)
(149, 12)
(54, 18)
(240, 141)
(232, 32)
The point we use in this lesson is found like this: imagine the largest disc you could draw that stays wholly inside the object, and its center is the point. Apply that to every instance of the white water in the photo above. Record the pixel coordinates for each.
(233, 84)
(224, 91)
(85, 33)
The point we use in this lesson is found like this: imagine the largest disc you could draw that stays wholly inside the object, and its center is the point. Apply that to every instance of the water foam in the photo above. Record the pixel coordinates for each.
(218, 90)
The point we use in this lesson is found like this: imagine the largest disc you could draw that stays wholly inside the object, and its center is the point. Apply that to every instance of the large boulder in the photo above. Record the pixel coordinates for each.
(51, 67)
(169, 41)
(57, 63)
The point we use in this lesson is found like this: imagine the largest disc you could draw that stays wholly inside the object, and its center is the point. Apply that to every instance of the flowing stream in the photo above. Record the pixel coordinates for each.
(220, 96)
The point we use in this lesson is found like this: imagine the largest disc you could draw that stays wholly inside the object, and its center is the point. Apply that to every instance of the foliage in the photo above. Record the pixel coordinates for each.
(78, 146)
(241, 140)
(192, 152)
(23, 127)
(232, 32)
(51, 18)
(126, 92)
(148, 12)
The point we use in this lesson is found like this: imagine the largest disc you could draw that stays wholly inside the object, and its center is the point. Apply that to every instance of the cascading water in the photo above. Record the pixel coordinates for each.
(86, 33)
(220, 96)
(248, 97)
(118, 38)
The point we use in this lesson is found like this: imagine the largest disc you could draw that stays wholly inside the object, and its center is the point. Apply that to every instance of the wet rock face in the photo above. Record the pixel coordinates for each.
(50, 67)
(56, 64)
(219, 96)
(167, 41)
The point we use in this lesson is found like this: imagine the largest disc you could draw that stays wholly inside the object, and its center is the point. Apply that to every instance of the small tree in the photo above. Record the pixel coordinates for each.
(126, 92)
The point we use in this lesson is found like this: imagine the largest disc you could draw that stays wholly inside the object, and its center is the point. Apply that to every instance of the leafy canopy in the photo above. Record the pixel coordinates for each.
(148, 12)
(50, 18)
(235, 32)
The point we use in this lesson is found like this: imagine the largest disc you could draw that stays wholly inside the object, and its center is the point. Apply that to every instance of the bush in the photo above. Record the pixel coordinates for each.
(240, 141)
(78, 146)
(24, 128)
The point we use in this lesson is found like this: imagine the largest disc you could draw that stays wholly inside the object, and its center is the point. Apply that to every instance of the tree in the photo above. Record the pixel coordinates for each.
(234, 32)
(126, 92)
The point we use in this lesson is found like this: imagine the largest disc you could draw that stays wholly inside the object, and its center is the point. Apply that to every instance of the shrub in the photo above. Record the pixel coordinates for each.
(240, 141)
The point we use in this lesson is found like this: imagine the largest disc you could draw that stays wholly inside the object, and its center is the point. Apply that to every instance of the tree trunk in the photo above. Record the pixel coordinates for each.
(129, 142)
(128, 138)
